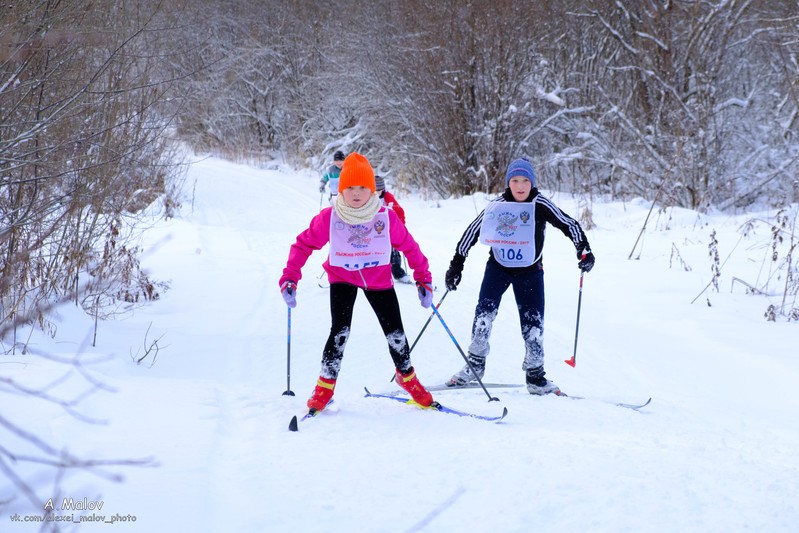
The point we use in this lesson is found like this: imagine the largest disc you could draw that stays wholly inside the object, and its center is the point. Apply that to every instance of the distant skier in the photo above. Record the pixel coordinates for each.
(361, 232)
(513, 225)
(391, 202)
(331, 176)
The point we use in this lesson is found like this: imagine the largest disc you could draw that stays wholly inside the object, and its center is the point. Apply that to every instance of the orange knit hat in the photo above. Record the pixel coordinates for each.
(356, 172)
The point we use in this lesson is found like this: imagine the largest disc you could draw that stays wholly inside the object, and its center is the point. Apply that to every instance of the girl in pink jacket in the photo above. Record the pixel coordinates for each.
(361, 233)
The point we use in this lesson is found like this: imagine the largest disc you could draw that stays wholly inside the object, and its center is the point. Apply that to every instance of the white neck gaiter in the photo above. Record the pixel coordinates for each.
(359, 215)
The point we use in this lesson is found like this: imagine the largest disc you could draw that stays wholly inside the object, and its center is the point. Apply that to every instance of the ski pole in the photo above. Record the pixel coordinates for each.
(428, 320)
(424, 328)
(573, 361)
(490, 398)
(288, 357)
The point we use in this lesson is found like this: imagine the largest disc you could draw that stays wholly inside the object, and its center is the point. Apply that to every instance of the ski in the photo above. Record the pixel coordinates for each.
(474, 385)
(435, 406)
(294, 424)
(322, 284)
(633, 406)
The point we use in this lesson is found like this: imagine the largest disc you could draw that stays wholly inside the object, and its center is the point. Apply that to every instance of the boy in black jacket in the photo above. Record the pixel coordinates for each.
(513, 226)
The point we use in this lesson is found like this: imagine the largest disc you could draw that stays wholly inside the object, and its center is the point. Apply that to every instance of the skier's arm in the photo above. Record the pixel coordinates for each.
(314, 238)
(572, 229)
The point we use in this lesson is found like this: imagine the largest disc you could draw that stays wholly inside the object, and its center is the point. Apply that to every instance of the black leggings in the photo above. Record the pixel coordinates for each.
(386, 308)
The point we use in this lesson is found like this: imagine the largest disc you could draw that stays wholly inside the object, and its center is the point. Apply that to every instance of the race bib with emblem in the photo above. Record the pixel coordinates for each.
(358, 246)
(509, 229)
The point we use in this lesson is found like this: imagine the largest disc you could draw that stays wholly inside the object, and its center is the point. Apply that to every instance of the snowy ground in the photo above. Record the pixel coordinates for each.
(714, 451)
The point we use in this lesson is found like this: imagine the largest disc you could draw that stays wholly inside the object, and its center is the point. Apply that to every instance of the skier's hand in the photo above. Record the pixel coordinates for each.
(322, 188)
(586, 261)
(452, 278)
(289, 290)
(425, 294)
(453, 275)
(585, 256)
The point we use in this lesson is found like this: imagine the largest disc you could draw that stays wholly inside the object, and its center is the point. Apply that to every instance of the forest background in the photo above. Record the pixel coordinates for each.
(694, 104)
(684, 103)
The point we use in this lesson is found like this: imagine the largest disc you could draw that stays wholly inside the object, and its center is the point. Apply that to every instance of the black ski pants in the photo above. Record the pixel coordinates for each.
(386, 307)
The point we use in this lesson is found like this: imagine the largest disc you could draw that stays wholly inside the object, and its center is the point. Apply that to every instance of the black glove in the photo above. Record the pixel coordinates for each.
(453, 276)
(587, 260)
(322, 188)
(585, 256)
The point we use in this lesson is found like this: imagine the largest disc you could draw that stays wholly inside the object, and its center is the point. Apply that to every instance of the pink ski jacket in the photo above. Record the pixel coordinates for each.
(376, 278)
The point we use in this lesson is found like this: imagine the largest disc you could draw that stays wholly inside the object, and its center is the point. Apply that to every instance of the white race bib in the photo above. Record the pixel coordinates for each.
(358, 246)
(509, 229)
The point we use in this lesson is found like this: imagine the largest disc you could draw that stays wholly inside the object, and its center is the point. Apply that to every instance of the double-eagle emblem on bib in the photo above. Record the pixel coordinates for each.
(506, 222)
(360, 234)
